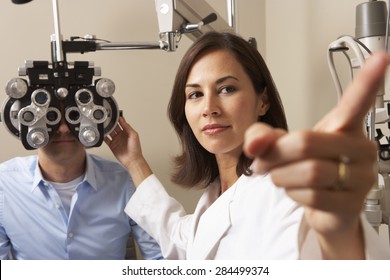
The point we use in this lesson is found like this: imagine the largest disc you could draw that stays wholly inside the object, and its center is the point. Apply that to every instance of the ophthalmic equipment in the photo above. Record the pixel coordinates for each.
(46, 93)
(371, 34)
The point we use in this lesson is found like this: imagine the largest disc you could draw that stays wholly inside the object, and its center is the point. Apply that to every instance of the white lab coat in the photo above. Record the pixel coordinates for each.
(253, 219)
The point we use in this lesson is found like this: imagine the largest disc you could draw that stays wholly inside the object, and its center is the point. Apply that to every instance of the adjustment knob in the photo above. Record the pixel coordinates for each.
(16, 88)
(89, 136)
(37, 138)
(105, 87)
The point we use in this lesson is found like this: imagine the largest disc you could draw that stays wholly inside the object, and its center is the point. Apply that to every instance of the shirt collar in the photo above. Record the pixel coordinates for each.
(38, 178)
(90, 175)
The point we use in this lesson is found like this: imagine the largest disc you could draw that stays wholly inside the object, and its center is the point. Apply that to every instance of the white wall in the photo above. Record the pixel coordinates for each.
(293, 36)
(298, 34)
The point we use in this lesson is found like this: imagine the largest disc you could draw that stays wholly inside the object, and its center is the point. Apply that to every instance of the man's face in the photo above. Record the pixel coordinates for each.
(63, 145)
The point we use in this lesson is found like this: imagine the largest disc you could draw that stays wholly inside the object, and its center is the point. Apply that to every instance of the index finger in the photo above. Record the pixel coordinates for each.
(358, 98)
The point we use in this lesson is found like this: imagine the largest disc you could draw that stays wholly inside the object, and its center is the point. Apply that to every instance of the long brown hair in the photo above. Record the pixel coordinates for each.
(196, 166)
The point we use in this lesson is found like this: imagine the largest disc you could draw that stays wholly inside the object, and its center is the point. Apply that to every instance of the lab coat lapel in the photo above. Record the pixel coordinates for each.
(212, 226)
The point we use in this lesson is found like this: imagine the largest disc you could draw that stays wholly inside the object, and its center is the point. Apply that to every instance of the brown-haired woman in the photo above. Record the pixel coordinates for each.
(231, 125)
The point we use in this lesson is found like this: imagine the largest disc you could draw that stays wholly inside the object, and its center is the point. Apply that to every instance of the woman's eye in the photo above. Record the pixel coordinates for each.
(194, 95)
(227, 89)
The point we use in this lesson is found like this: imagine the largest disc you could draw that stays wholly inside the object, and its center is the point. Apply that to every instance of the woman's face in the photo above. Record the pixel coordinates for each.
(221, 102)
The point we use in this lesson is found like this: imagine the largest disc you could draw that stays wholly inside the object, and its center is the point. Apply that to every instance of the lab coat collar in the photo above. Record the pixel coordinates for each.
(210, 203)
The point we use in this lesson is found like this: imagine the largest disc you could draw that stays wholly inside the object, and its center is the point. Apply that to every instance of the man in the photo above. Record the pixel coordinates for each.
(67, 204)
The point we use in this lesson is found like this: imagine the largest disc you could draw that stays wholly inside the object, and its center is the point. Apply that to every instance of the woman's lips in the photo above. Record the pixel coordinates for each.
(212, 129)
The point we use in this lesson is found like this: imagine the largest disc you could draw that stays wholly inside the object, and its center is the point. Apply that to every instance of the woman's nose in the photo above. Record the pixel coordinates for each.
(211, 107)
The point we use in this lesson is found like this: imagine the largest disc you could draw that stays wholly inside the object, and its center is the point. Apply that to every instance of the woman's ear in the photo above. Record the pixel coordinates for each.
(263, 103)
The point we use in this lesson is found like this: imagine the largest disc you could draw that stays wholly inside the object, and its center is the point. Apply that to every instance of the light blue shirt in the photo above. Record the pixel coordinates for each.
(35, 225)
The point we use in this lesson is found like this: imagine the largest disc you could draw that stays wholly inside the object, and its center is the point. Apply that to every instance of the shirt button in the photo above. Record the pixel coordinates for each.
(46, 184)
(70, 234)
(57, 206)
